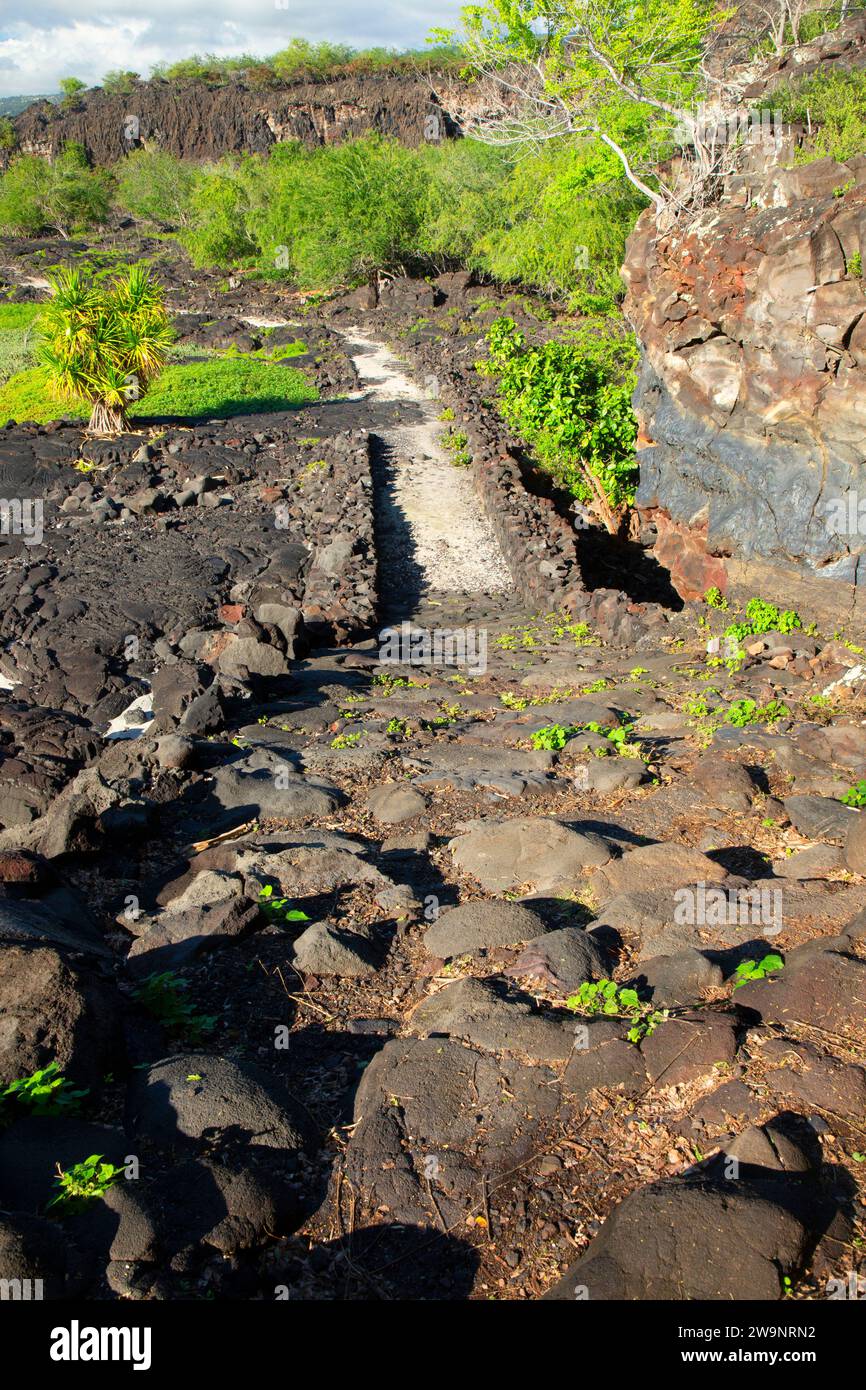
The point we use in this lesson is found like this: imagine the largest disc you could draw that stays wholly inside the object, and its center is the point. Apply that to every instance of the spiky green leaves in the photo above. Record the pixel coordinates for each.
(103, 342)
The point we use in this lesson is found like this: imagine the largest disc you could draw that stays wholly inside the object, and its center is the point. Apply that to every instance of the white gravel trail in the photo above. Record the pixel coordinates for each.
(427, 501)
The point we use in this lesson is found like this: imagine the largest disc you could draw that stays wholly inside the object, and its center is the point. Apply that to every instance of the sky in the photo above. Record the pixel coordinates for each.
(44, 40)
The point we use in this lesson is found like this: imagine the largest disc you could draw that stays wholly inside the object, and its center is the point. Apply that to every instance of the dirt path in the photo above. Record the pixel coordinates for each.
(433, 532)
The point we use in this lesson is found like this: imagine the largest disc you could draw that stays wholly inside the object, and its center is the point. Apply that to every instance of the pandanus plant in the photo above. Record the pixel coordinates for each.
(103, 342)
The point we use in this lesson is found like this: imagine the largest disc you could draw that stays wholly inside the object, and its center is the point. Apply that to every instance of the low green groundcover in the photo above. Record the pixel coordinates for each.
(216, 389)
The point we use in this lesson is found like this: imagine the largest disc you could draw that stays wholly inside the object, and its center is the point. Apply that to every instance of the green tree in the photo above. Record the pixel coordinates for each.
(120, 82)
(103, 342)
(63, 195)
(71, 87)
(155, 185)
(362, 213)
(575, 67)
(216, 231)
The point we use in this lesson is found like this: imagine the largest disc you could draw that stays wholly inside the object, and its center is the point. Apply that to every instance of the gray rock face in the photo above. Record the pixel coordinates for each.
(540, 852)
(656, 868)
(726, 785)
(464, 768)
(50, 1011)
(460, 1114)
(821, 817)
(476, 1011)
(265, 786)
(395, 802)
(324, 949)
(675, 1241)
(562, 960)
(681, 978)
(825, 990)
(855, 845)
(478, 926)
(226, 1098)
(613, 774)
(722, 365)
(196, 1208)
(243, 657)
(33, 1249)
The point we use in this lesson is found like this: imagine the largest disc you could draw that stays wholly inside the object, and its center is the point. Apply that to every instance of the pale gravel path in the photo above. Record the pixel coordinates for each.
(429, 506)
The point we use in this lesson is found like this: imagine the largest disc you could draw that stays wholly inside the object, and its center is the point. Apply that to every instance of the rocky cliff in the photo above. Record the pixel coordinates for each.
(197, 121)
(752, 394)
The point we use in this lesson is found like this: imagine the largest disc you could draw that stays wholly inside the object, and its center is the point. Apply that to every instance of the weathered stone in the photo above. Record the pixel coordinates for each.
(540, 852)
(480, 925)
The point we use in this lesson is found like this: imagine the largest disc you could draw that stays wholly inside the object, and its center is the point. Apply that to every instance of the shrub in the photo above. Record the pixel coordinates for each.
(155, 185)
(64, 196)
(104, 341)
(571, 402)
(362, 212)
(215, 232)
(8, 138)
(834, 103)
(120, 83)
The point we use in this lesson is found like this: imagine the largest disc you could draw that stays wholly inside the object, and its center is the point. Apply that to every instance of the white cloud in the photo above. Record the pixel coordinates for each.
(44, 40)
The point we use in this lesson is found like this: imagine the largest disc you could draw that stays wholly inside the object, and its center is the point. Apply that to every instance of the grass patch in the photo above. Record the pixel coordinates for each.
(17, 338)
(219, 388)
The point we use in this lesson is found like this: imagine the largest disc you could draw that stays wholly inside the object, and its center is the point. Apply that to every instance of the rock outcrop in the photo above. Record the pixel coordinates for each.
(752, 394)
(199, 121)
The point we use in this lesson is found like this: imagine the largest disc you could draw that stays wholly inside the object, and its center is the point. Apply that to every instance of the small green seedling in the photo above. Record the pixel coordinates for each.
(553, 737)
(345, 740)
(856, 795)
(162, 997)
(279, 909)
(83, 1182)
(606, 997)
(749, 970)
(46, 1092)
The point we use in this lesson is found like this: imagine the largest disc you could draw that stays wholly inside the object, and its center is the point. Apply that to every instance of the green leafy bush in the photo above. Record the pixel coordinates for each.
(764, 617)
(154, 185)
(63, 195)
(45, 1092)
(362, 210)
(215, 230)
(571, 403)
(119, 82)
(834, 104)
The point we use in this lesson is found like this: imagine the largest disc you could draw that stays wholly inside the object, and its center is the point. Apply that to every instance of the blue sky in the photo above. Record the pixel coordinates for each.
(44, 40)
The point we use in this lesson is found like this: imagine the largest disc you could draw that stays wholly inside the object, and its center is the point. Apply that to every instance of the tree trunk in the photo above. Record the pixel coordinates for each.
(106, 419)
(373, 285)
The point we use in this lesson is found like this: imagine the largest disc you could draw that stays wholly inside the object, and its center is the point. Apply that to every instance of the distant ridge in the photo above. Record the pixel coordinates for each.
(13, 106)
